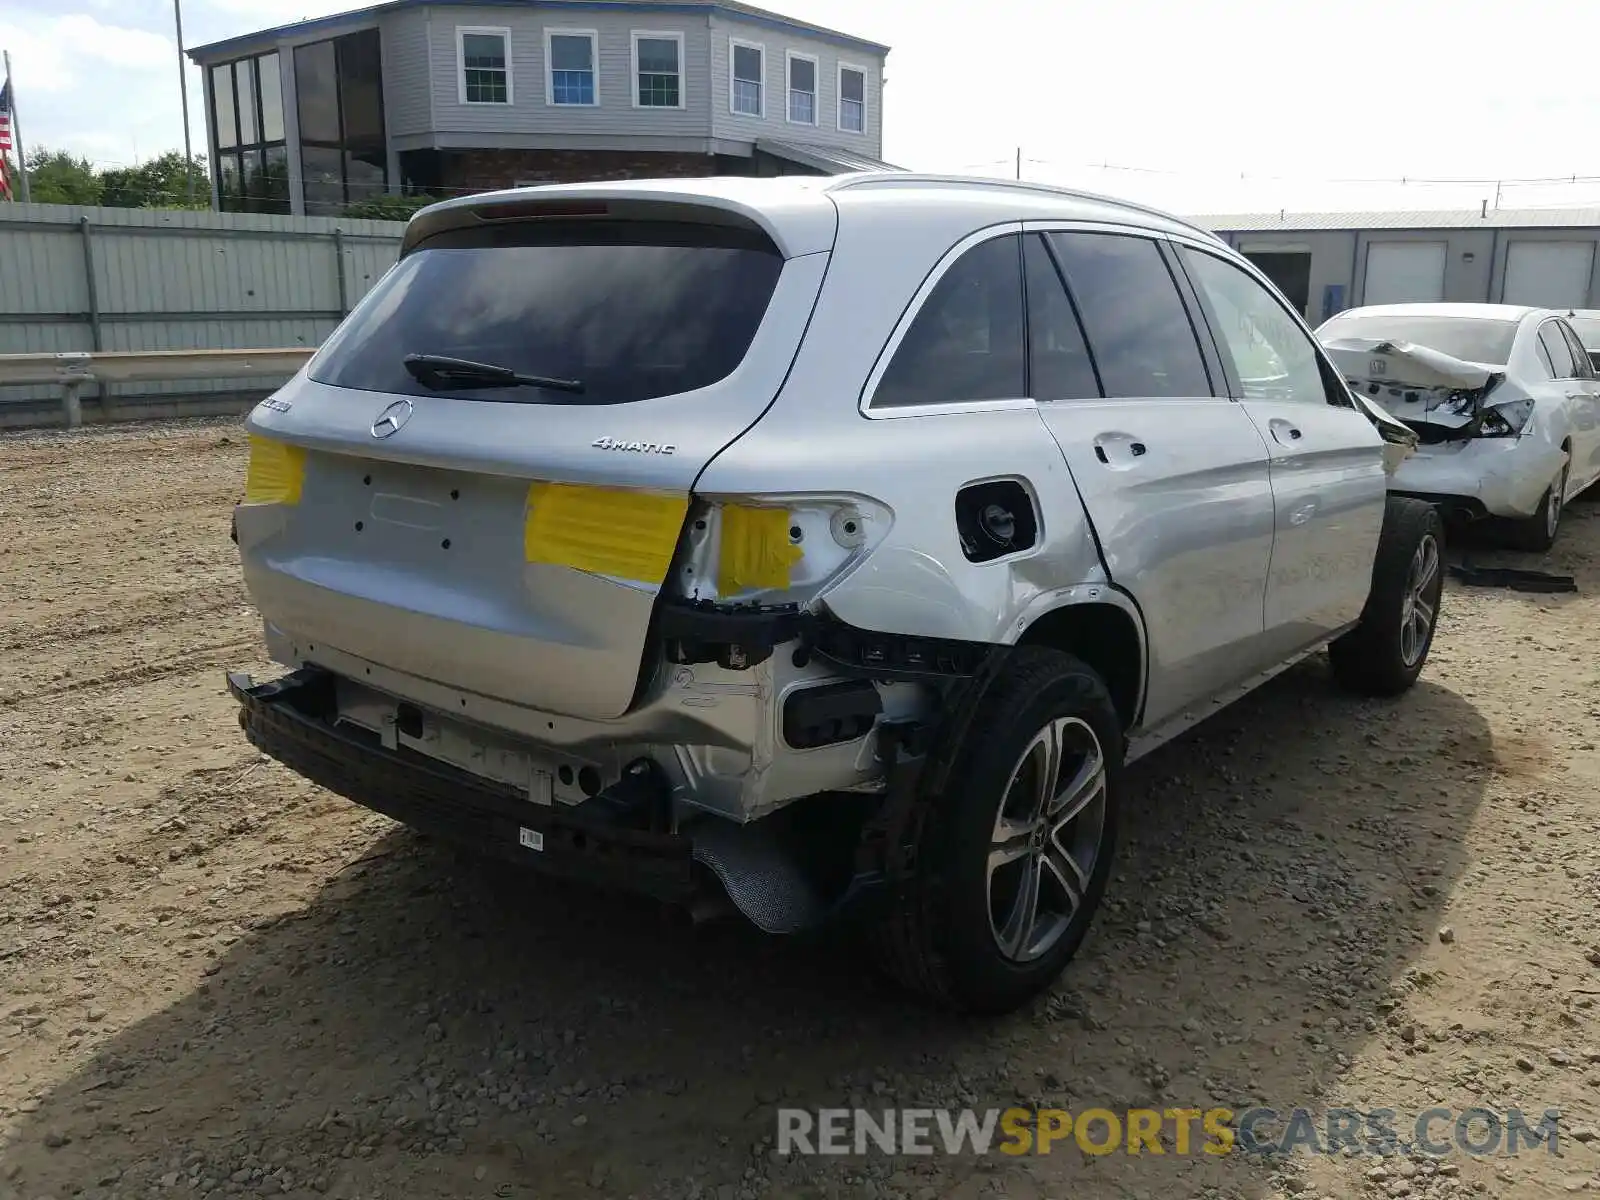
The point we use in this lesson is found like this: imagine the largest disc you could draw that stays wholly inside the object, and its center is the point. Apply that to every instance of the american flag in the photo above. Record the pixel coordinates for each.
(5, 139)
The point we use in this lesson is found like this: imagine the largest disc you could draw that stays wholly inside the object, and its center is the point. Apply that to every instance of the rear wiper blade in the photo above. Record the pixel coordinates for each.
(443, 373)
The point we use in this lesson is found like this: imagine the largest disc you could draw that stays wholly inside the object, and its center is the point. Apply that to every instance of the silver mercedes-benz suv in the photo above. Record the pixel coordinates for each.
(822, 546)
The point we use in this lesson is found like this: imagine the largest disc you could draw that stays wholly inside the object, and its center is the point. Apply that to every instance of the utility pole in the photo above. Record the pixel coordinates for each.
(183, 92)
(1019, 162)
(16, 133)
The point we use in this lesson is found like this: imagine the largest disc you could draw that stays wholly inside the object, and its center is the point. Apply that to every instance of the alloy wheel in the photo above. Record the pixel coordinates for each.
(1552, 510)
(1047, 838)
(1417, 610)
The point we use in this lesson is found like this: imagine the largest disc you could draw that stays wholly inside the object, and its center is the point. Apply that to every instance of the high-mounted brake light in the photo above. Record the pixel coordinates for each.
(537, 209)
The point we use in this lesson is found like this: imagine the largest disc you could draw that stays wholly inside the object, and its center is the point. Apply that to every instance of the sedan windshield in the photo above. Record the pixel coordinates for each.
(1472, 339)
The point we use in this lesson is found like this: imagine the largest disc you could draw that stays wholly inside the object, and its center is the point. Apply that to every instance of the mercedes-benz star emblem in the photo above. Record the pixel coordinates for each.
(391, 419)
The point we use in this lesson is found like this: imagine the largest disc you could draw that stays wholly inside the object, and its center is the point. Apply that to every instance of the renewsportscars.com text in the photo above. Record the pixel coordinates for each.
(1158, 1131)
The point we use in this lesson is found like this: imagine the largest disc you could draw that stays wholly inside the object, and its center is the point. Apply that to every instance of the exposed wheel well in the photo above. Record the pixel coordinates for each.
(1105, 637)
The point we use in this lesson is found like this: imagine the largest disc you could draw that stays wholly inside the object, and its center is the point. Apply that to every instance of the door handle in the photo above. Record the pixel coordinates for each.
(1283, 431)
(1118, 450)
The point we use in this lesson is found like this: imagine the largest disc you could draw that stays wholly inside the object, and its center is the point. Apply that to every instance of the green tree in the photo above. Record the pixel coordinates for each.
(59, 177)
(389, 207)
(159, 183)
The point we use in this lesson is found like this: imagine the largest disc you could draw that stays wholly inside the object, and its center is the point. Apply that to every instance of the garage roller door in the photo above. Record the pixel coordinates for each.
(1404, 273)
(1548, 274)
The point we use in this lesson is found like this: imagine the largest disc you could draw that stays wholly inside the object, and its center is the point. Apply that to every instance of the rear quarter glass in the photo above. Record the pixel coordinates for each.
(634, 310)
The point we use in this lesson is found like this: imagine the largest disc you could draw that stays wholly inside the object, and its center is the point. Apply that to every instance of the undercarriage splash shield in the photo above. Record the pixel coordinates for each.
(760, 876)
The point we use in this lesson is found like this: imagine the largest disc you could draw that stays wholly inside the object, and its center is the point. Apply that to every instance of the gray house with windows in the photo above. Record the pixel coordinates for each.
(442, 97)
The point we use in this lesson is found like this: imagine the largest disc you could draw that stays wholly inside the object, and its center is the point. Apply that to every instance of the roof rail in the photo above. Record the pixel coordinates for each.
(868, 179)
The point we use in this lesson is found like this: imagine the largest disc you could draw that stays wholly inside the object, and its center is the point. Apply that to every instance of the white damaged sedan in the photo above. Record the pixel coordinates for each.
(1504, 400)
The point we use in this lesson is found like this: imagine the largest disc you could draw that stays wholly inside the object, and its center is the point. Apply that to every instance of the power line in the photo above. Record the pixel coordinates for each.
(1367, 181)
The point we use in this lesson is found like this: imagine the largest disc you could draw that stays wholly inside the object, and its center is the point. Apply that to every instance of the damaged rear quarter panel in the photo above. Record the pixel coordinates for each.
(814, 439)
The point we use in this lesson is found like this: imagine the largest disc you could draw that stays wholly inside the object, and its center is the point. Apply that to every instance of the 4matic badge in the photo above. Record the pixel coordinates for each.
(611, 443)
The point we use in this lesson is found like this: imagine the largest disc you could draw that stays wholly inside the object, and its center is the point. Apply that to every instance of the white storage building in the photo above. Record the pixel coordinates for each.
(1327, 262)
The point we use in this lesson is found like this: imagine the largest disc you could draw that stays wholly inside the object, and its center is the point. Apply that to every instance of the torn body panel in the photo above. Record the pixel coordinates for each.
(1442, 398)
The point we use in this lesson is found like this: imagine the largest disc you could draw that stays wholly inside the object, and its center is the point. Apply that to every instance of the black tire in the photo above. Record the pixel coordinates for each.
(938, 937)
(1537, 533)
(1386, 651)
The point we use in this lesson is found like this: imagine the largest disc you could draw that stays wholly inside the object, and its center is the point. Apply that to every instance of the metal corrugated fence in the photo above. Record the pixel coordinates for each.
(78, 278)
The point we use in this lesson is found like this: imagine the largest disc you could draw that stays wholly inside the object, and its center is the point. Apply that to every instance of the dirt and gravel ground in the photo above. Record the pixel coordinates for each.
(218, 980)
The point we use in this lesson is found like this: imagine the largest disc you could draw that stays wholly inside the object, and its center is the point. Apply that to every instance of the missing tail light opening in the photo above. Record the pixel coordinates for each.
(1439, 414)
(772, 549)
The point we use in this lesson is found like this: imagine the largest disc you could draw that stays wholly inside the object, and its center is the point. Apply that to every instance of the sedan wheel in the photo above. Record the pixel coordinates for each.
(1537, 533)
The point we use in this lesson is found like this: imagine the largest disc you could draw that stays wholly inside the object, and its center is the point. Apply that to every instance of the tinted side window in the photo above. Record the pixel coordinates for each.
(1135, 319)
(1582, 368)
(966, 342)
(1272, 357)
(1556, 347)
(1059, 366)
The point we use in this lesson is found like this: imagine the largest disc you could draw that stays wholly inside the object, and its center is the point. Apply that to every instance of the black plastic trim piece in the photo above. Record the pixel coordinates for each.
(830, 713)
(735, 636)
(893, 657)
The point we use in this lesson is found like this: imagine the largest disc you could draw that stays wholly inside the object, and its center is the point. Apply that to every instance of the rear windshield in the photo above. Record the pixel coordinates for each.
(632, 310)
(1588, 331)
(1472, 339)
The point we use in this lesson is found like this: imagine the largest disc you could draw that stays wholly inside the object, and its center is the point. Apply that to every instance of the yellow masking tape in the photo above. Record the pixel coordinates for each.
(606, 531)
(275, 474)
(755, 551)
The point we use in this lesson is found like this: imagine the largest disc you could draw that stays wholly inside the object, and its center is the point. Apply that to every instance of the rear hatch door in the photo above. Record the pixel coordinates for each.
(511, 541)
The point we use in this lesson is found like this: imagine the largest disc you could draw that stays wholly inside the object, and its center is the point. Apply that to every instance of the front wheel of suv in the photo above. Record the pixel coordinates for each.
(1385, 652)
(1014, 855)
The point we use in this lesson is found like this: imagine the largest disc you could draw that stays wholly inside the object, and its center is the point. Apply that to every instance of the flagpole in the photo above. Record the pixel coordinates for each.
(183, 91)
(16, 133)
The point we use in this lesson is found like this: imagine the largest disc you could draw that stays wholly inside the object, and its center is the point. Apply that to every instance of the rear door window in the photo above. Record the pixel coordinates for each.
(967, 340)
(1556, 347)
(1137, 325)
(633, 310)
(1581, 367)
(1059, 364)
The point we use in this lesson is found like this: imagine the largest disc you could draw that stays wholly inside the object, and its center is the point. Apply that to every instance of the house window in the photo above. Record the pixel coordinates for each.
(252, 159)
(658, 70)
(749, 62)
(852, 99)
(484, 56)
(802, 89)
(344, 154)
(571, 55)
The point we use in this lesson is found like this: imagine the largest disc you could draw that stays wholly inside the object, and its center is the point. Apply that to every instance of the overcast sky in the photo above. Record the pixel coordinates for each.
(1233, 105)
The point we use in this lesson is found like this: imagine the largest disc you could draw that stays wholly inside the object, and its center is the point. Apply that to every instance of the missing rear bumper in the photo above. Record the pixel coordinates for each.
(290, 720)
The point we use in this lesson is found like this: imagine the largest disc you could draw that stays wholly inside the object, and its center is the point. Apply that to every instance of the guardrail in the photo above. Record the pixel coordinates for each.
(71, 370)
